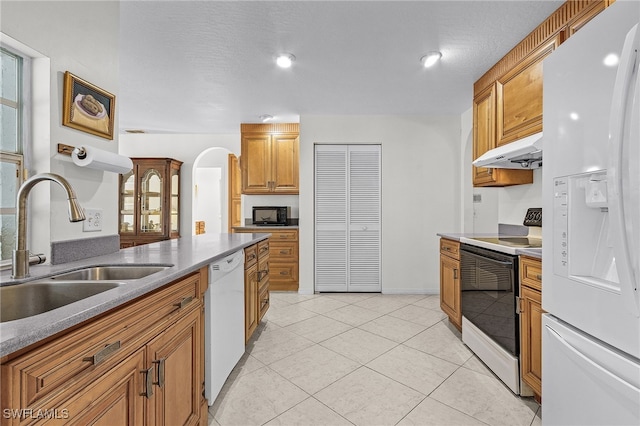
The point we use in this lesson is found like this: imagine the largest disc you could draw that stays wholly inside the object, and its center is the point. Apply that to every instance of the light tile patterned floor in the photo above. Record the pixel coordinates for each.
(363, 359)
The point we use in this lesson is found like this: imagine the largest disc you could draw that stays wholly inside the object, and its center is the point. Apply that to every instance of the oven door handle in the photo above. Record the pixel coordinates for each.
(508, 265)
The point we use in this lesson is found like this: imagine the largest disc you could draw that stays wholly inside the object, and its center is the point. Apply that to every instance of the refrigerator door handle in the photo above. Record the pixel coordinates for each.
(619, 384)
(620, 206)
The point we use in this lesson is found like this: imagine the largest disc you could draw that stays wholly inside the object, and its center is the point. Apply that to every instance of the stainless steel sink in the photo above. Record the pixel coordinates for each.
(35, 297)
(118, 272)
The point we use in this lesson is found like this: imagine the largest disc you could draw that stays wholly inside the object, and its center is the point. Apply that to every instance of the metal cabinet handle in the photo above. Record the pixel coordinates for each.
(538, 277)
(263, 249)
(184, 302)
(148, 382)
(251, 256)
(103, 353)
(284, 252)
(160, 363)
(265, 302)
(455, 274)
(284, 236)
(284, 273)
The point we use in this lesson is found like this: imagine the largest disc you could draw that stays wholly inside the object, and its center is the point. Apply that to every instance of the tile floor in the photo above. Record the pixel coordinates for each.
(363, 359)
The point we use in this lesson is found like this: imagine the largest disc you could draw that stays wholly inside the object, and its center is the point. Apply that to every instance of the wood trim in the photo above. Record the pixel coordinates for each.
(547, 29)
(269, 128)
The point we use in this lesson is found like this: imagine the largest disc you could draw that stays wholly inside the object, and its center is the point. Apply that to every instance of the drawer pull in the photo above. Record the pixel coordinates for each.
(148, 382)
(160, 363)
(265, 302)
(284, 273)
(103, 353)
(538, 277)
(184, 302)
(455, 274)
(284, 252)
(251, 256)
(284, 236)
(263, 249)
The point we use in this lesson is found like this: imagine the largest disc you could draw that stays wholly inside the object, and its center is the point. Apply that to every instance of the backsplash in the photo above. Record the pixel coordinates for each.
(72, 250)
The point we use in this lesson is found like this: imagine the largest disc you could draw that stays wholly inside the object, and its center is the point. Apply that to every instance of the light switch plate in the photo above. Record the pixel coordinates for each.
(93, 221)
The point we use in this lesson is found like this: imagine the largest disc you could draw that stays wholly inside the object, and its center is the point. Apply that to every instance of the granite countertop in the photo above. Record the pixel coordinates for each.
(531, 252)
(186, 254)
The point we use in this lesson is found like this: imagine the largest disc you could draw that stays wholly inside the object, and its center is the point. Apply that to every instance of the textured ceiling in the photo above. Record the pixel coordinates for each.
(207, 66)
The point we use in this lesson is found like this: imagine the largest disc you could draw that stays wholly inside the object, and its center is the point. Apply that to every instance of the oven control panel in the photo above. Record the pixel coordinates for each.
(533, 217)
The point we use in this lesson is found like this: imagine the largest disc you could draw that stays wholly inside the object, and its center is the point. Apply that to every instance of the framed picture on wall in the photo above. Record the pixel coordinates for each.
(87, 107)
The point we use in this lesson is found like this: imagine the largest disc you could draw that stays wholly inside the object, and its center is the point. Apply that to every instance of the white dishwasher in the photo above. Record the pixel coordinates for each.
(224, 321)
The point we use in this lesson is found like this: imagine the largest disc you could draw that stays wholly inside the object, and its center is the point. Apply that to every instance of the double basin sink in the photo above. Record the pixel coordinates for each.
(42, 295)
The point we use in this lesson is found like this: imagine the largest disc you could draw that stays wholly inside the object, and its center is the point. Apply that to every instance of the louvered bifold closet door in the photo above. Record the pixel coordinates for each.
(364, 218)
(331, 218)
(347, 218)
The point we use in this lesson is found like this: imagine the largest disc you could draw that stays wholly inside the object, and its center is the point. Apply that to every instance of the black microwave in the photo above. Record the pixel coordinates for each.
(270, 215)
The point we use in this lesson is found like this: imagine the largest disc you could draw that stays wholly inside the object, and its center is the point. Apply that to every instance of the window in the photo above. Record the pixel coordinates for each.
(11, 145)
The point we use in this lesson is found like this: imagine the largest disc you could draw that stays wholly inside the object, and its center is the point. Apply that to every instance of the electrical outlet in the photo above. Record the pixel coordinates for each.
(93, 221)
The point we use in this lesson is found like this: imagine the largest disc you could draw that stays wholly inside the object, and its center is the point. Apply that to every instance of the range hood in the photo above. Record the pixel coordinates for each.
(524, 153)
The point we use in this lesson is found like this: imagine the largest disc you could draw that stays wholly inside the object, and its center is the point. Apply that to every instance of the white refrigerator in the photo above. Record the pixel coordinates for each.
(591, 250)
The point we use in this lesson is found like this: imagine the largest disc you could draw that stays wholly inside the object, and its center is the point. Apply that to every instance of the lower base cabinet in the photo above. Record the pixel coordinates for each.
(531, 323)
(450, 297)
(140, 364)
(256, 285)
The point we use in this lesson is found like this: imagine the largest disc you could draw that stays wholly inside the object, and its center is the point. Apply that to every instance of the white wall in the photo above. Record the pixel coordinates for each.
(58, 31)
(420, 191)
(186, 148)
(208, 203)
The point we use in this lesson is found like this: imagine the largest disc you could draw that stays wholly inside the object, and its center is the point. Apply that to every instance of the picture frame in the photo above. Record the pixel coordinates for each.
(87, 107)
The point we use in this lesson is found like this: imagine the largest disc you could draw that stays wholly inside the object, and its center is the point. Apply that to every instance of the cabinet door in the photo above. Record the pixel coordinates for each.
(175, 359)
(284, 163)
(151, 187)
(128, 197)
(450, 289)
(256, 164)
(114, 398)
(235, 193)
(519, 96)
(250, 301)
(484, 133)
(531, 338)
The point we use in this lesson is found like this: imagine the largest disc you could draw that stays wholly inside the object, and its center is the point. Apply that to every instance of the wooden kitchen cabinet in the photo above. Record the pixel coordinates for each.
(484, 139)
(142, 363)
(283, 256)
(531, 323)
(519, 96)
(256, 285)
(149, 202)
(507, 102)
(450, 302)
(250, 296)
(270, 158)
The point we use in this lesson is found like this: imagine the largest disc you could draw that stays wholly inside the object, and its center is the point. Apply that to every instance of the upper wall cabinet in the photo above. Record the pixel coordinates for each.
(519, 96)
(270, 158)
(507, 102)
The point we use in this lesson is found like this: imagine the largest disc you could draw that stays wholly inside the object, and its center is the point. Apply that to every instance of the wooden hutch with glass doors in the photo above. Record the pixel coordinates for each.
(149, 202)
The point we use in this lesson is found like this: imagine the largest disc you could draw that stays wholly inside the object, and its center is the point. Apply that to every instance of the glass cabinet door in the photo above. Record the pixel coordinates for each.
(127, 203)
(175, 200)
(151, 202)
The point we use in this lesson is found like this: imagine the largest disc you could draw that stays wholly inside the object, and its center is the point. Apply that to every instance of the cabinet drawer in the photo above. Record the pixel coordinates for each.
(263, 270)
(450, 248)
(263, 300)
(284, 272)
(263, 248)
(250, 256)
(531, 272)
(284, 251)
(74, 359)
(288, 235)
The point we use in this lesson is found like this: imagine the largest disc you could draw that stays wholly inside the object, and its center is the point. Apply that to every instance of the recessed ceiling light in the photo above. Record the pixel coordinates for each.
(285, 60)
(430, 59)
(265, 117)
